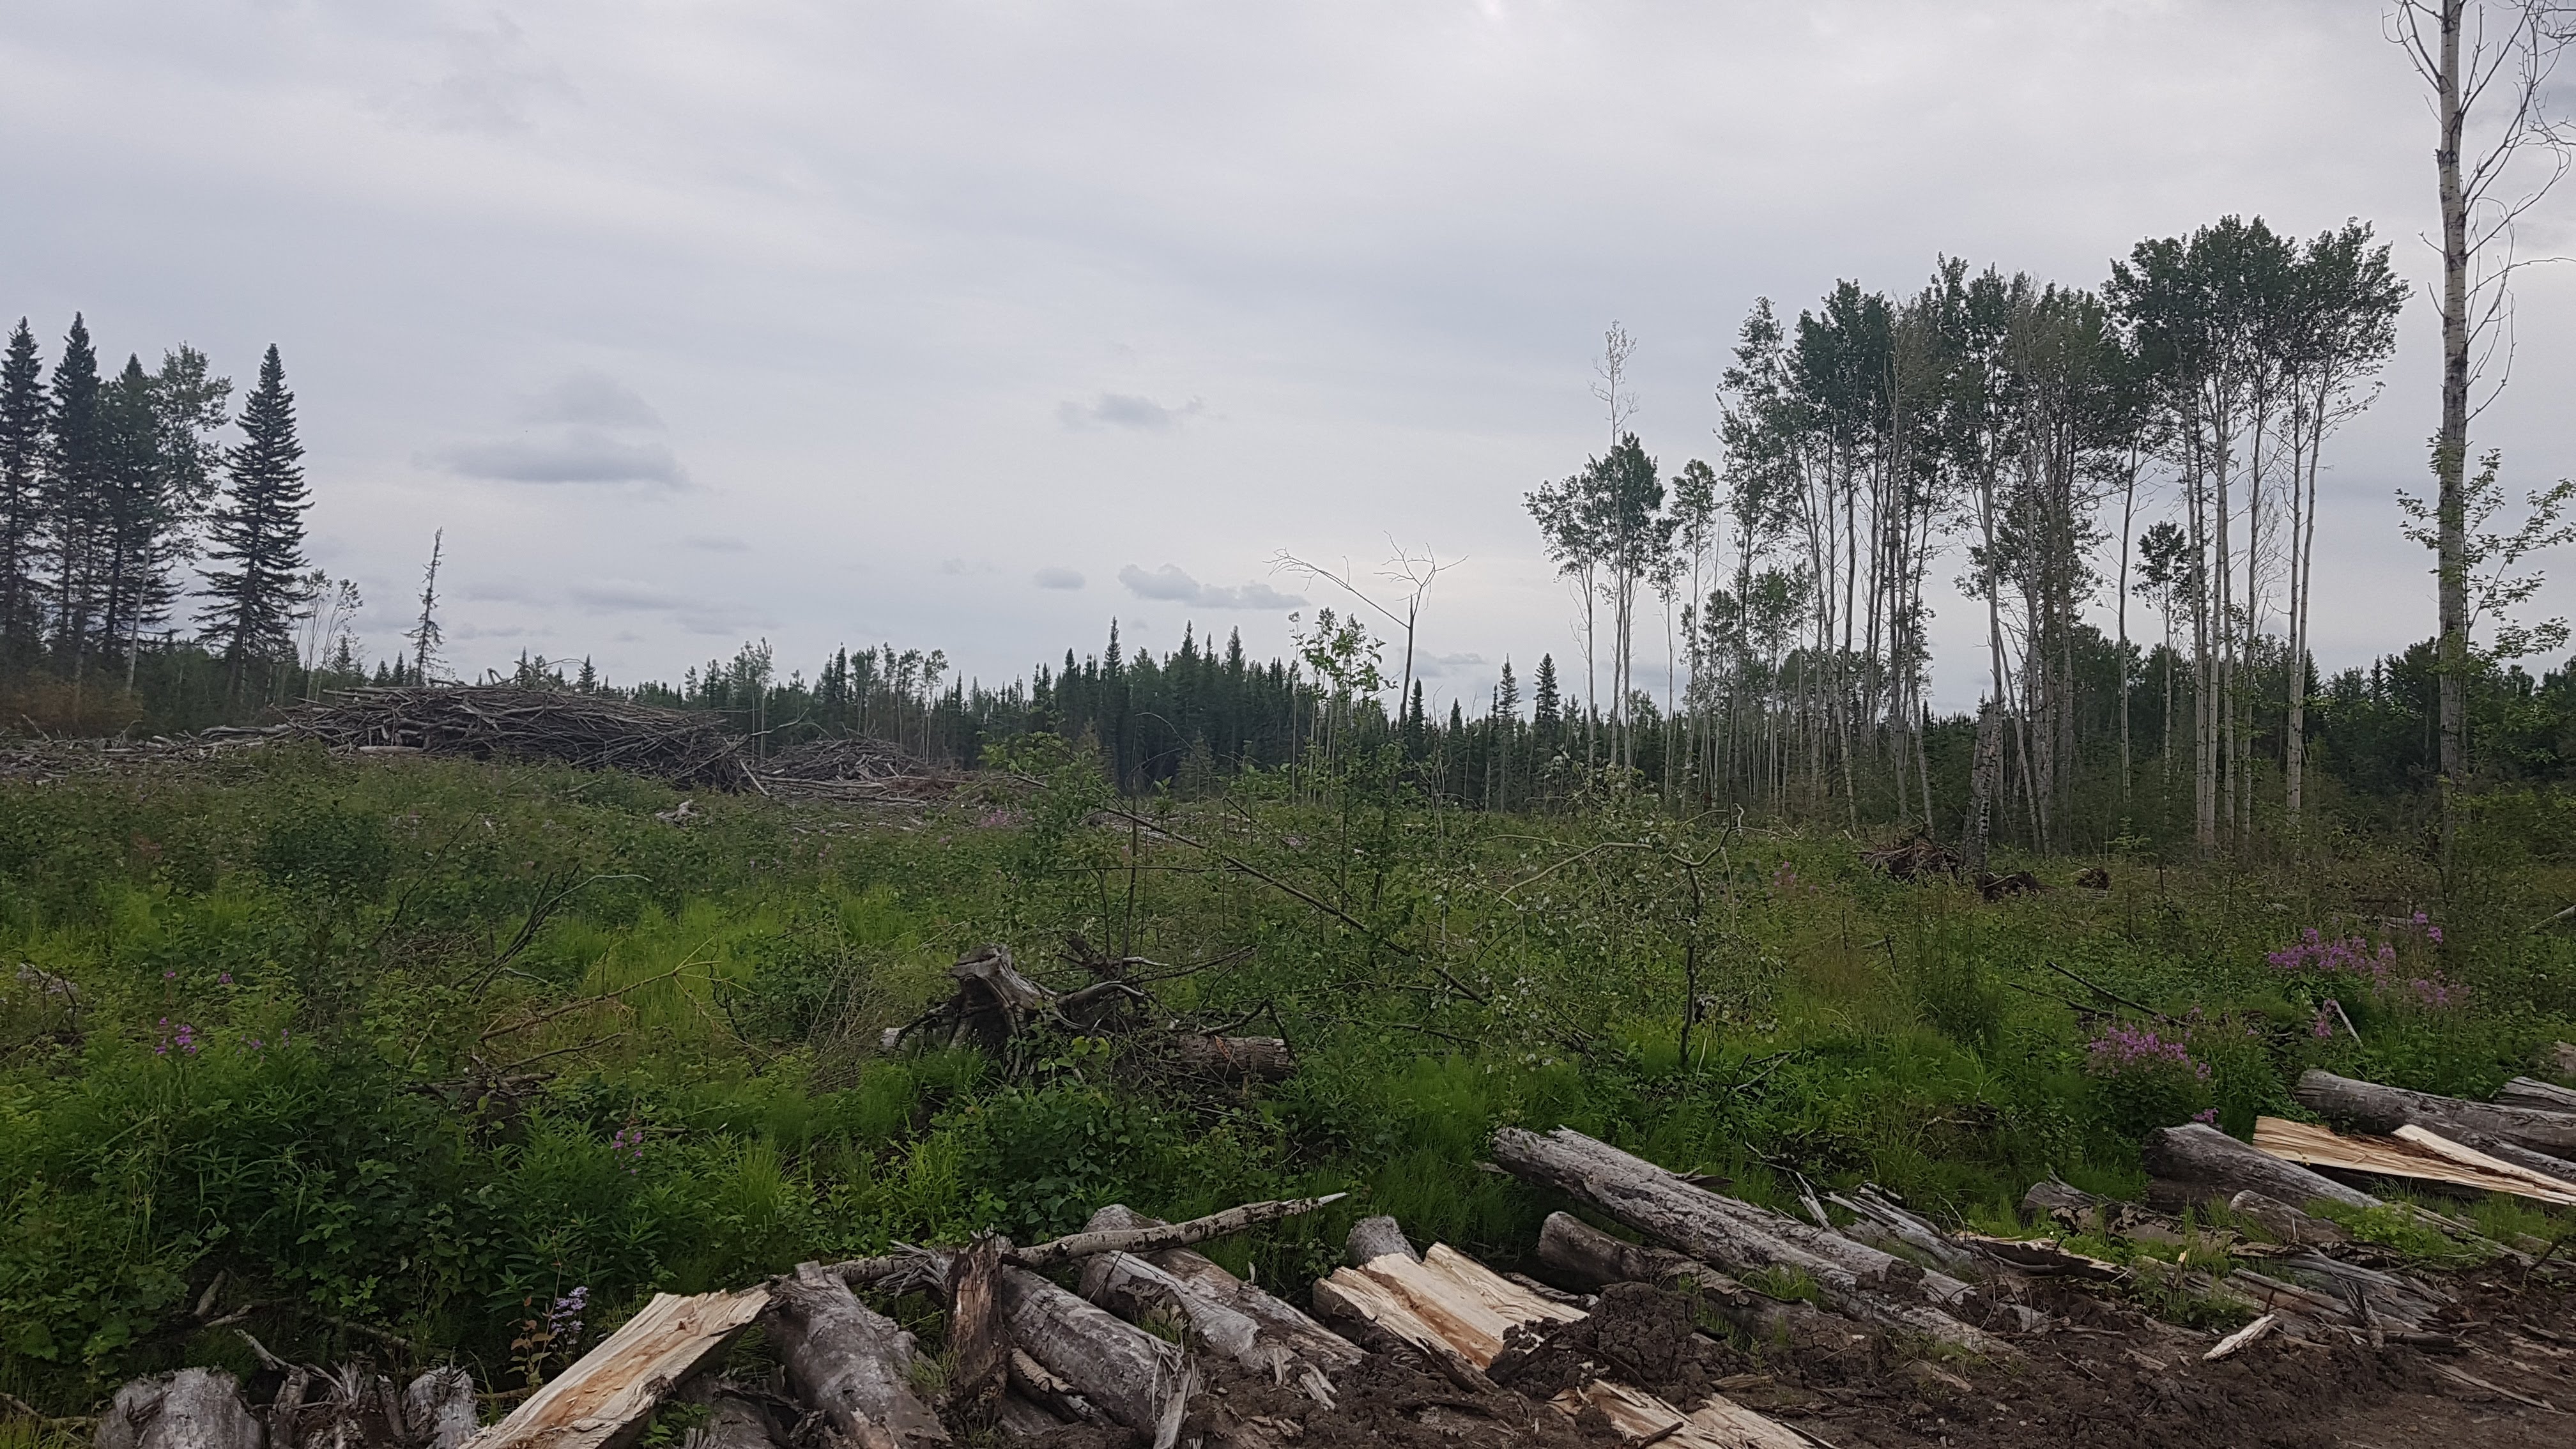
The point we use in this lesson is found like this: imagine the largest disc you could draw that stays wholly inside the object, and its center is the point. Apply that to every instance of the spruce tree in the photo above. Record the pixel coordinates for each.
(71, 490)
(22, 467)
(134, 532)
(258, 529)
(1546, 710)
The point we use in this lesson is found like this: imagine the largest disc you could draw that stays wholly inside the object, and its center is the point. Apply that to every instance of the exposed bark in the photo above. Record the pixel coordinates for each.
(1279, 1329)
(733, 1422)
(2210, 1164)
(2237, 1342)
(978, 1348)
(2374, 1108)
(1136, 1379)
(438, 1408)
(2532, 1092)
(1583, 1255)
(850, 1363)
(1374, 1238)
(2287, 1223)
(1380, 1319)
(605, 1399)
(1085, 1244)
(1852, 1278)
(1235, 1058)
(195, 1408)
(1038, 1385)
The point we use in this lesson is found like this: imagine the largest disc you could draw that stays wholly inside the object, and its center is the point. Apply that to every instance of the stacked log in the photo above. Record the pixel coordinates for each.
(1852, 1278)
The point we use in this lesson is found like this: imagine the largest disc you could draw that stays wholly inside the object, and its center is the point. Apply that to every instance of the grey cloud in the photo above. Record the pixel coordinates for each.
(1055, 577)
(959, 567)
(716, 543)
(1441, 666)
(496, 631)
(693, 613)
(499, 591)
(1126, 410)
(592, 398)
(1171, 585)
(492, 82)
(577, 455)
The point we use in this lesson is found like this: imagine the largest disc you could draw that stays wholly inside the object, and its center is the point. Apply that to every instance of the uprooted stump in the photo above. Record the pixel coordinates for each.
(995, 1003)
(1917, 858)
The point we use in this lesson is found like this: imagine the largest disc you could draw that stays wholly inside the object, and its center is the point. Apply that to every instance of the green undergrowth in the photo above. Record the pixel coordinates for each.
(428, 1046)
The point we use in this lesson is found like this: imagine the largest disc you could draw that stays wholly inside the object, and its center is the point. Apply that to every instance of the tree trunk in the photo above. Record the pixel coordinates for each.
(1582, 1256)
(1235, 1058)
(2451, 442)
(2532, 1092)
(2211, 1164)
(851, 1363)
(195, 1408)
(2374, 1108)
(438, 1408)
(1135, 1378)
(1852, 1278)
(1279, 1322)
(734, 1422)
(1374, 1238)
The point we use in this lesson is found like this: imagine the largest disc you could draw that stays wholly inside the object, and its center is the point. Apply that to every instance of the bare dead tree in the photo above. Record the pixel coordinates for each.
(2488, 64)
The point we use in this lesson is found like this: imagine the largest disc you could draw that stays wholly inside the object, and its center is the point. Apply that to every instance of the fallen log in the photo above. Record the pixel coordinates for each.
(2535, 1093)
(1851, 1278)
(1904, 1225)
(1277, 1324)
(1235, 1058)
(850, 1363)
(1036, 1384)
(2214, 1165)
(1642, 1418)
(603, 1400)
(2238, 1341)
(438, 1408)
(1583, 1255)
(859, 1272)
(2414, 1154)
(733, 1422)
(2374, 1108)
(2286, 1223)
(2073, 1210)
(1131, 1376)
(1373, 1238)
(195, 1408)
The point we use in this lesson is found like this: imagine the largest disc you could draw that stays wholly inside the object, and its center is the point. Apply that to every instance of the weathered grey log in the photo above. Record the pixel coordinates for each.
(850, 1363)
(1135, 1288)
(978, 1346)
(1021, 1419)
(2533, 1092)
(733, 1422)
(282, 1409)
(1136, 1379)
(1039, 1385)
(438, 1408)
(2288, 1224)
(2559, 1168)
(1375, 1238)
(2374, 1108)
(2214, 1165)
(1904, 1225)
(1279, 1319)
(1853, 1279)
(2409, 1302)
(1588, 1258)
(195, 1408)
(1235, 1058)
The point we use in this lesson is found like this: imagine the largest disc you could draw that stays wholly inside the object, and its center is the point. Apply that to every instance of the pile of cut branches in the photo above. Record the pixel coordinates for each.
(592, 731)
(855, 769)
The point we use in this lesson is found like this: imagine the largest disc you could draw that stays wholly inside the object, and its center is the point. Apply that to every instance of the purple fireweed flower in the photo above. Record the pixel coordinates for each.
(2206, 1114)
(224, 978)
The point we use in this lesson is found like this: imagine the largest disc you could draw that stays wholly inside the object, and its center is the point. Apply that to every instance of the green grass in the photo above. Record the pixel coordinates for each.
(703, 1098)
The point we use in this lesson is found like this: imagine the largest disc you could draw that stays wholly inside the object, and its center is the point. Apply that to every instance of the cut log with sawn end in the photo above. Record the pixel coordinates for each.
(2212, 1165)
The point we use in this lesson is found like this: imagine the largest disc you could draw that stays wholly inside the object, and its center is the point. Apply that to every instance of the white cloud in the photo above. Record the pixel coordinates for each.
(1168, 584)
(1126, 410)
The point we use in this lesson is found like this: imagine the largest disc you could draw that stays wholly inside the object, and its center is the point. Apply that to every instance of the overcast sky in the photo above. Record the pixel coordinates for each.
(973, 326)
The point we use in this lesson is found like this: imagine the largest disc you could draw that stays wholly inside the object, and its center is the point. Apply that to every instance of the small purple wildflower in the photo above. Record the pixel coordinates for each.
(2124, 1048)
(224, 978)
(628, 1147)
(2208, 1115)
